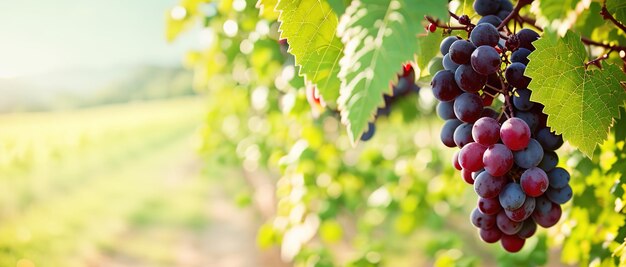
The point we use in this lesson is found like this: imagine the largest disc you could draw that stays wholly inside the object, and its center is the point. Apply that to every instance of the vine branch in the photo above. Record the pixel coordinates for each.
(514, 13)
(608, 16)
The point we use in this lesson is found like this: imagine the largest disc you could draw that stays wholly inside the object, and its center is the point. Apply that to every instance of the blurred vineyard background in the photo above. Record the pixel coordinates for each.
(206, 152)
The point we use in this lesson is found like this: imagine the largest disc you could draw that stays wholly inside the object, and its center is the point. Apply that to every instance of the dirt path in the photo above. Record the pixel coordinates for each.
(224, 234)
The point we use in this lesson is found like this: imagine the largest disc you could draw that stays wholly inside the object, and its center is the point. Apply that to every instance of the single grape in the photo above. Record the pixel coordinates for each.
(461, 51)
(526, 37)
(515, 134)
(445, 110)
(444, 47)
(531, 119)
(447, 132)
(486, 60)
(444, 87)
(546, 213)
(520, 55)
(534, 182)
(490, 235)
(530, 156)
(448, 64)
(514, 74)
(489, 206)
(522, 213)
(528, 229)
(463, 135)
(549, 161)
(464, 20)
(481, 220)
(470, 156)
(371, 129)
(486, 7)
(560, 195)
(549, 140)
(558, 177)
(491, 19)
(521, 99)
(468, 107)
(467, 176)
(488, 186)
(497, 160)
(512, 243)
(431, 27)
(468, 79)
(512, 197)
(485, 34)
(486, 131)
(506, 225)
(455, 161)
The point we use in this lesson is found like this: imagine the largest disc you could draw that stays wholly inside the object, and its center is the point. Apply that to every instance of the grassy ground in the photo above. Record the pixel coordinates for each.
(116, 186)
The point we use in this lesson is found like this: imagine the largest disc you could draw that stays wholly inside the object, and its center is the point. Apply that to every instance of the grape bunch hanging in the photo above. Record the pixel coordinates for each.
(508, 155)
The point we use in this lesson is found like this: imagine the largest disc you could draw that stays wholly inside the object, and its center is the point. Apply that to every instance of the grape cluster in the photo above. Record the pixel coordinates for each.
(406, 85)
(509, 155)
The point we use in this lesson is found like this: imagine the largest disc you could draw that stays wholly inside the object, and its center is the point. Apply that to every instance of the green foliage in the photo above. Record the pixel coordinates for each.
(618, 9)
(427, 49)
(310, 28)
(581, 103)
(556, 9)
(378, 35)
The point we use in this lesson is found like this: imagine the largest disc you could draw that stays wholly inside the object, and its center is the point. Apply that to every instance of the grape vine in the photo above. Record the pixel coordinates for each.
(531, 92)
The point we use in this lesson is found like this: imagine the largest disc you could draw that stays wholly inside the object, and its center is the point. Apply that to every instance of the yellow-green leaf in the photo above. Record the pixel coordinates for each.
(310, 28)
(379, 35)
(581, 103)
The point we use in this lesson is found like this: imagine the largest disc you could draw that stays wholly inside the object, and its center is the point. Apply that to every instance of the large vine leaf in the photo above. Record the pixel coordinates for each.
(618, 9)
(581, 103)
(379, 35)
(310, 28)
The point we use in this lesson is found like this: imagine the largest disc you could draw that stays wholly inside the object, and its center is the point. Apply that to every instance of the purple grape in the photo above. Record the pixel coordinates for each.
(445, 110)
(528, 229)
(447, 132)
(558, 177)
(506, 225)
(522, 213)
(560, 195)
(486, 60)
(549, 161)
(512, 197)
(468, 79)
(444, 86)
(485, 34)
(481, 220)
(514, 74)
(521, 99)
(446, 43)
(468, 107)
(549, 140)
(534, 182)
(497, 160)
(461, 51)
(488, 186)
(530, 156)
(463, 135)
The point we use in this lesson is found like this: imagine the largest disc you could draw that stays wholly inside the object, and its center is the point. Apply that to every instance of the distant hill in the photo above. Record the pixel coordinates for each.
(82, 88)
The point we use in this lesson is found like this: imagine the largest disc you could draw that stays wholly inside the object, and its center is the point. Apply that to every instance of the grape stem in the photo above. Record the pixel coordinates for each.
(608, 16)
(596, 62)
(514, 13)
(445, 26)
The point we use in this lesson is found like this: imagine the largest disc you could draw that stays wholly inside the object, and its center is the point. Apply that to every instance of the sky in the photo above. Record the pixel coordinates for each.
(43, 36)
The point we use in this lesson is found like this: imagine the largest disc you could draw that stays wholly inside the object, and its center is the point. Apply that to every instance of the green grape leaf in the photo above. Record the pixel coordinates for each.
(310, 28)
(266, 9)
(556, 9)
(581, 103)
(427, 49)
(617, 9)
(379, 35)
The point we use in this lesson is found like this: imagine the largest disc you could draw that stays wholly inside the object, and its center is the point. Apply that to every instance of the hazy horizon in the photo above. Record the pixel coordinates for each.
(70, 35)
